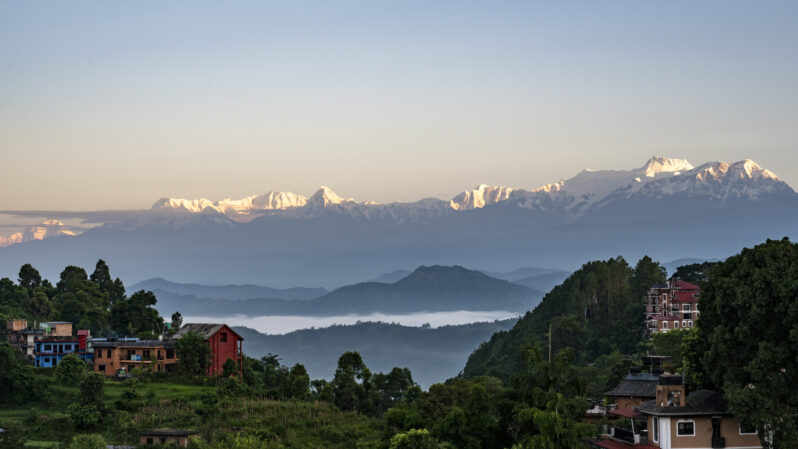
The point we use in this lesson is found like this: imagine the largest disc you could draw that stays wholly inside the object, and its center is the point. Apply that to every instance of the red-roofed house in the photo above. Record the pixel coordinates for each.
(672, 306)
(224, 342)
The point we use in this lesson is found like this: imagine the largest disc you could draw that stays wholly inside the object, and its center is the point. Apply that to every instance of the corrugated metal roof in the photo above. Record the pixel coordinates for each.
(699, 402)
(638, 388)
(133, 344)
(205, 329)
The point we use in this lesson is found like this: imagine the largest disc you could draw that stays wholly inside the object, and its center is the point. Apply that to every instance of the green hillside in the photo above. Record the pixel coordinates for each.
(596, 310)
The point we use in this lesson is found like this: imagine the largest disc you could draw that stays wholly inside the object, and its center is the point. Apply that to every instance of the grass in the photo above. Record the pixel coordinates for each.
(172, 404)
(159, 390)
(41, 443)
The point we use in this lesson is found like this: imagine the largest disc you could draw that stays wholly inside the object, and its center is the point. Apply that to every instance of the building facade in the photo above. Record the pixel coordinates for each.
(53, 341)
(698, 420)
(114, 357)
(21, 338)
(176, 438)
(673, 305)
(675, 419)
(224, 342)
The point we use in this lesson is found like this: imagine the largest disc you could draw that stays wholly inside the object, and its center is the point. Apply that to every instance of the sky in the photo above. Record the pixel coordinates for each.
(112, 105)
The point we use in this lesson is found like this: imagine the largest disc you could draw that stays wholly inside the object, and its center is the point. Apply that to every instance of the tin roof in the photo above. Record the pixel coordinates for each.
(133, 344)
(207, 330)
(638, 385)
(699, 402)
(684, 285)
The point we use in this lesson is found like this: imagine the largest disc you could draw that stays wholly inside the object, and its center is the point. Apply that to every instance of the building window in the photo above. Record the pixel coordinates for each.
(48, 347)
(690, 323)
(223, 337)
(108, 353)
(684, 323)
(149, 441)
(101, 368)
(656, 429)
(686, 307)
(664, 324)
(685, 428)
(675, 324)
(746, 430)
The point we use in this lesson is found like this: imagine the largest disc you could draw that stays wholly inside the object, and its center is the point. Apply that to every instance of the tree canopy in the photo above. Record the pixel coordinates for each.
(597, 310)
(193, 354)
(748, 338)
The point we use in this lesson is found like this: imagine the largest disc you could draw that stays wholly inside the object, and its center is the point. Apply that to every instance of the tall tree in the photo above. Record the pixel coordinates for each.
(136, 315)
(193, 354)
(177, 321)
(647, 273)
(350, 382)
(38, 306)
(102, 277)
(29, 278)
(697, 273)
(87, 412)
(748, 328)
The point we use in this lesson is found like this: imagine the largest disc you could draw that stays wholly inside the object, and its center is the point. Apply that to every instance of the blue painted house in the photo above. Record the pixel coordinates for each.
(50, 350)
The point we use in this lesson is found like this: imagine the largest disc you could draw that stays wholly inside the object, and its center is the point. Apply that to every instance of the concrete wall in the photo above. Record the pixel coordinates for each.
(108, 361)
(703, 434)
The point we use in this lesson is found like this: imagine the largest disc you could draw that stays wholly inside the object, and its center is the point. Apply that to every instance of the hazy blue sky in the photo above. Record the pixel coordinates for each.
(114, 104)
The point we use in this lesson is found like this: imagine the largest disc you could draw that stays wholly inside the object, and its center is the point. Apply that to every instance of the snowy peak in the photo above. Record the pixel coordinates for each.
(743, 170)
(241, 209)
(589, 187)
(716, 180)
(194, 206)
(326, 197)
(49, 228)
(278, 200)
(658, 164)
(481, 196)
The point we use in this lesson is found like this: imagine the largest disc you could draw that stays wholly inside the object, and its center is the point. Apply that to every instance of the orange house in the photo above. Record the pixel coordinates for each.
(124, 355)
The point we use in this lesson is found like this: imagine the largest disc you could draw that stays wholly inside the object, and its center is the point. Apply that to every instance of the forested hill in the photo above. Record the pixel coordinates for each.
(427, 289)
(596, 310)
(431, 288)
(232, 292)
(432, 354)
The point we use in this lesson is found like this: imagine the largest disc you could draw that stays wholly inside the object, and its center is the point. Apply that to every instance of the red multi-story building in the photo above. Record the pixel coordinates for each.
(224, 342)
(673, 305)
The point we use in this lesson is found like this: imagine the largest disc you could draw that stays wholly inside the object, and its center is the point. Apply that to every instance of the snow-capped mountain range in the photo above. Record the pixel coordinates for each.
(665, 208)
(658, 177)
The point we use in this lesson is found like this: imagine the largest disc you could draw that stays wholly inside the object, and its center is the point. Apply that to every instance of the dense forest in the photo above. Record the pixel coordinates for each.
(527, 387)
(598, 310)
